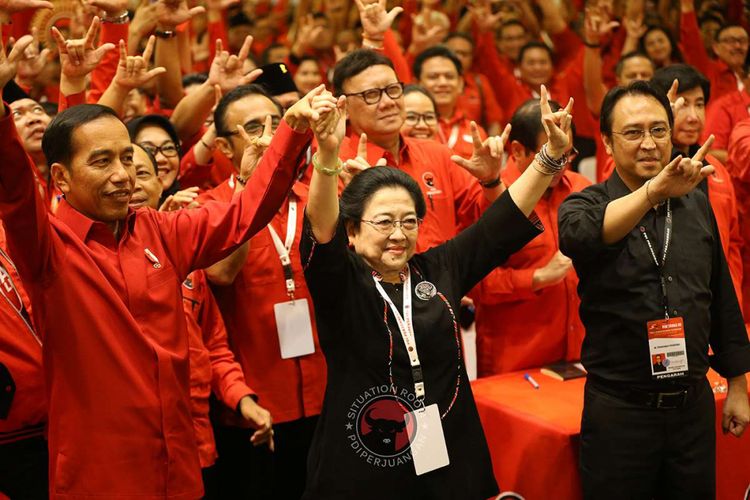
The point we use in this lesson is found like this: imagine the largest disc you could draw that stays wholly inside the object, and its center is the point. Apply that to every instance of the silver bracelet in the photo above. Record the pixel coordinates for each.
(550, 165)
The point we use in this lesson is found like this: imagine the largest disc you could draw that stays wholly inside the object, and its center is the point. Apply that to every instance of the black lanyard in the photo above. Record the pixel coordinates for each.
(660, 265)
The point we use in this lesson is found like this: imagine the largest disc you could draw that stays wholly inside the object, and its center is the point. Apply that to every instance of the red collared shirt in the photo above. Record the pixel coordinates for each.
(454, 198)
(23, 403)
(478, 100)
(455, 133)
(518, 327)
(212, 364)
(116, 347)
(723, 114)
(289, 388)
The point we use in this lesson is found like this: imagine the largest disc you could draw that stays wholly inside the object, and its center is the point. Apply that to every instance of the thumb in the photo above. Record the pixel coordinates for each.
(99, 53)
(672, 165)
(381, 162)
(461, 161)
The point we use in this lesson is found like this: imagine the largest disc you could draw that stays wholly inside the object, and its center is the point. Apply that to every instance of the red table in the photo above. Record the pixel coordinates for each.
(533, 437)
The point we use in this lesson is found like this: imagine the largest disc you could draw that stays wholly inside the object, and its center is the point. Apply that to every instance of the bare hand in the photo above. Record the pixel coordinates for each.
(736, 415)
(132, 71)
(677, 103)
(681, 175)
(181, 199)
(553, 272)
(376, 20)
(302, 115)
(597, 24)
(170, 14)
(260, 419)
(144, 19)
(32, 63)
(486, 160)
(306, 34)
(110, 7)
(556, 125)
(254, 147)
(359, 163)
(13, 6)
(227, 69)
(634, 27)
(221, 5)
(482, 14)
(79, 57)
(9, 63)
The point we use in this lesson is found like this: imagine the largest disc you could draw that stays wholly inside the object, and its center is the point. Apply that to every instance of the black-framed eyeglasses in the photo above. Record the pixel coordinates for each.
(412, 119)
(254, 128)
(169, 150)
(657, 133)
(735, 40)
(387, 226)
(373, 96)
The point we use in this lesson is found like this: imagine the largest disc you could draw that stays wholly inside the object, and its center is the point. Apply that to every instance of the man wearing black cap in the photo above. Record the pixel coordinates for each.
(278, 80)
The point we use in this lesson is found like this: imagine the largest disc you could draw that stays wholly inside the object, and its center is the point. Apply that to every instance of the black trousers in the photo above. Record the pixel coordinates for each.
(631, 452)
(245, 471)
(24, 469)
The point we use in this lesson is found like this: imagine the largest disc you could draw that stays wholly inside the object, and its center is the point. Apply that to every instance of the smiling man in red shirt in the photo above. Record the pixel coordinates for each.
(108, 283)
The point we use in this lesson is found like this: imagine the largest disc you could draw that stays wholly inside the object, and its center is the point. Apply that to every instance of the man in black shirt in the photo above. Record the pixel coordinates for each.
(653, 281)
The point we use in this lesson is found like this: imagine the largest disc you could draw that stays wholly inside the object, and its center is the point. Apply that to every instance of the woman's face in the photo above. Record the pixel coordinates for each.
(386, 251)
(307, 76)
(421, 119)
(148, 188)
(658, 47)
(152, 137)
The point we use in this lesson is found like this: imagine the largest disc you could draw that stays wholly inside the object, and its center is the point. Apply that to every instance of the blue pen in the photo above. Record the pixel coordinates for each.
(531, 380)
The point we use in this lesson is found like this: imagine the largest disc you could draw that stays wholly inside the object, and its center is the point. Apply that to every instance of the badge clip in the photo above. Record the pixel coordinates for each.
(153, 258)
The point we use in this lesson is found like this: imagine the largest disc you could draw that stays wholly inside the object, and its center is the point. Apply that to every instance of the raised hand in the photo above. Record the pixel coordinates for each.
(260, 419)
(32, 63)
(226, 70)
(423, 36)
(597, 24)
(254, 147)
(359, 163)
(634, 27)
(303, 115)
(677, 103)
(79, 57)
(221, 5)
(375, 18)
(483, 17)
(305, 34)
(13, 6)
(132, 71)
(486, 161)
(556, 125)
(181, 199)
(681, 175)
(170, 14)
(553, 272)
(9, 63)
(110, 7)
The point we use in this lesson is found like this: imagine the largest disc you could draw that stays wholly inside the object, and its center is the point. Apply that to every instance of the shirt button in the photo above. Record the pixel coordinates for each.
(674, 312)
(669, 278)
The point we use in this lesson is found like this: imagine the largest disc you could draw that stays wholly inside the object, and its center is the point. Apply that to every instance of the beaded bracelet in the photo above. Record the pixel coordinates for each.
(550, 165)
(325, 170)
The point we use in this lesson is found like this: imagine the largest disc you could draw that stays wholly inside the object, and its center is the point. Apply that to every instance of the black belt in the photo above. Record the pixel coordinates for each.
(667, 400)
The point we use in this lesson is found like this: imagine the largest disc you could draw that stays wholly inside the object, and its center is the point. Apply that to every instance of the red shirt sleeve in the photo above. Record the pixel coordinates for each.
(103, 74)
(567, 46)
(393, 52)
(692, 47)
(492, 110)
(66, 102)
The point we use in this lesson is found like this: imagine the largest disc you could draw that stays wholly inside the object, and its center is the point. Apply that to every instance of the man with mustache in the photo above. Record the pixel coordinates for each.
(653, 280)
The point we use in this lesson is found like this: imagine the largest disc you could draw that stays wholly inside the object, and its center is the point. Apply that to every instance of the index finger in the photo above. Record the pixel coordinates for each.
(59, 40)
(91, 33)
(475, 137)
(268, 127)
(123, 51)
(672, 92)
(149, 49)
(544, 101)
(569, 106)
(244, 134)
(362, 146)
(701, 153)
(245, 49)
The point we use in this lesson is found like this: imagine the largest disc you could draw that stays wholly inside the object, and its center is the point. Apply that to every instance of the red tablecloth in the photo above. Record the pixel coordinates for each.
(533, 437)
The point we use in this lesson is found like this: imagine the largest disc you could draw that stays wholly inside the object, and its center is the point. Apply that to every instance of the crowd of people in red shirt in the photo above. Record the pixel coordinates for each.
(213, 92)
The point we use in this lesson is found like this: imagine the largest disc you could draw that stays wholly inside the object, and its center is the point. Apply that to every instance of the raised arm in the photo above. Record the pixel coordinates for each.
(691, 42)
(596, 27)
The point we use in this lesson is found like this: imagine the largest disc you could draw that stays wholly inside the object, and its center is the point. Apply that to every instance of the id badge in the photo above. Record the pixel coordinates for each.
(666, 345)
(295, 328)
(428, 447)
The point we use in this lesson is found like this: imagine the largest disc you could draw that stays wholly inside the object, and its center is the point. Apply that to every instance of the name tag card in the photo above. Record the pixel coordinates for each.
(294, 326)
(666, 344)
(428, 447)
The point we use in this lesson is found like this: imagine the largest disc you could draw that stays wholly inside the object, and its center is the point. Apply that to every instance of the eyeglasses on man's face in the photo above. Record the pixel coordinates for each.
(735, 40)
(373, 96)
(412, 119)
(254, 128)
(169, 150)
(657, 133)
(386, 225)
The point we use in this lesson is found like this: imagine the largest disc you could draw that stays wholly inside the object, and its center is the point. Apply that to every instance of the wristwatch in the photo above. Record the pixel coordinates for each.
(121, 19)
(165, 34)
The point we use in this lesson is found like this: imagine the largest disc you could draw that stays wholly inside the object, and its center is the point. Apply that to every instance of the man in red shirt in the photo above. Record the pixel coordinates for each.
(107, 284)
(527, 309)
(439, 71)
(721, 117)
(256, 288)
(375, 106)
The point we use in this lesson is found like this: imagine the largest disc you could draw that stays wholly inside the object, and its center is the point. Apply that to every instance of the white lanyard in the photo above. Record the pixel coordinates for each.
(283, 249)
(406, 327)
(453, 139)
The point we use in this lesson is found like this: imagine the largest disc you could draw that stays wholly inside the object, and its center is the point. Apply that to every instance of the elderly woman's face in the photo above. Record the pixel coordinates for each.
(164, 150)
(148, 188)
(386, 250)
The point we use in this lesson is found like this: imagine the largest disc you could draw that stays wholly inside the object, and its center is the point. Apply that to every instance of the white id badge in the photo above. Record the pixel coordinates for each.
(427, 440)
(295, 328)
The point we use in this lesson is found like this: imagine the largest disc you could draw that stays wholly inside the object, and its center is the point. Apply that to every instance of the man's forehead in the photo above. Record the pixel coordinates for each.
(638, 110)
(733, 31)
(440, 63)
(23, 104)
(378, 75)
(105, 130)
(250, 107)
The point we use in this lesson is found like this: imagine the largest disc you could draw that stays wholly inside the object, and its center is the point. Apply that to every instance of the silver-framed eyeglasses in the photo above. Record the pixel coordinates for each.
(657, 133)
(373, 96)
(387, 226)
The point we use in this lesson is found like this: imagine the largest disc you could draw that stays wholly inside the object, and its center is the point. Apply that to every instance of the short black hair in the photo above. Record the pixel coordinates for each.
(710, 18)
(412, 88)
(636, 88)
(57, 141)
(432, 52)
(459, 34)
(676, 54)
(358, 193)
(687, 78)
(194, 79)
(354, 63)
(630, 55)
(220, 113)
(526, 123)
(151, 157)
(725, 27)
(137, 124)
(535, 45)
